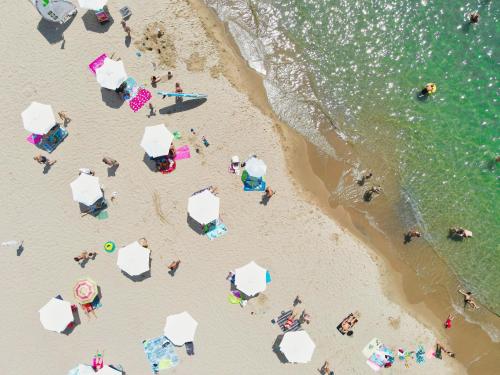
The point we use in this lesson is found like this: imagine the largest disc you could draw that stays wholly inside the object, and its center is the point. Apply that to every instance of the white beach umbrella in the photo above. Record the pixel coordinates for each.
(204, 207)
(180, 328)
(86, 189)
(255, 167)
(55, 10)
(82, 370)
(133, 259)
(92, 4)
(38, 118)
(111, 74)
(106, 370)
(56, 315)
(156, 140)
(297, 346)
(250, 279)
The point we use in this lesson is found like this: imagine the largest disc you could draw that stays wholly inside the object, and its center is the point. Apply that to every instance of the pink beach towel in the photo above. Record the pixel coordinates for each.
(34, 139)
(139, 100)
(182, 153)
(97, 63)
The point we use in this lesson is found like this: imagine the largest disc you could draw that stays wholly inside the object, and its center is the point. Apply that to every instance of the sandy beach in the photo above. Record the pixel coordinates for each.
(306, 252)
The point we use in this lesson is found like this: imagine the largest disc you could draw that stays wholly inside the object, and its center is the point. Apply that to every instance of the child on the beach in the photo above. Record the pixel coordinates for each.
(447, 323)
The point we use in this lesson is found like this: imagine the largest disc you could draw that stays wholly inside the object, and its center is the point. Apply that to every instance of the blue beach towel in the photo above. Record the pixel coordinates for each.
(217, 232)
(160, 353)
(420, 355)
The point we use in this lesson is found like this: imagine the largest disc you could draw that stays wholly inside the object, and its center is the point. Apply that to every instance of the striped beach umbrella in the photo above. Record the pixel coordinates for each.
(85, 290)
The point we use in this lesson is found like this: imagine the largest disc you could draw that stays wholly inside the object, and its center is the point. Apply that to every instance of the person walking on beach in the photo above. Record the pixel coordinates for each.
(297, 301)
(63, 116)
(325, 369)
(44, 160)
(178, 90)
(110, 162)
(126, 28)
(468, 300)
(84, 256)
(447, 323)
(173, 266)
(412, 233)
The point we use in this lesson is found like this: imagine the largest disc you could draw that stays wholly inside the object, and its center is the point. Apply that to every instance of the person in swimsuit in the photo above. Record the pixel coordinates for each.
(474, 17)
(447, 323)
(41, 159)
(468, 300)
(110, 162)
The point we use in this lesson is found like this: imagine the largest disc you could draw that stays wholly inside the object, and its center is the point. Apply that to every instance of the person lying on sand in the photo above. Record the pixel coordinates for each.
(174, 265)
(468, 300)
(348, 323)
(155, 80)
(110, 162)
(84, 256)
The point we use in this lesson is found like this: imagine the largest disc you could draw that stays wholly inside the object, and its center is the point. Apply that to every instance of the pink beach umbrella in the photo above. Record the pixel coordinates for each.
(85, 290)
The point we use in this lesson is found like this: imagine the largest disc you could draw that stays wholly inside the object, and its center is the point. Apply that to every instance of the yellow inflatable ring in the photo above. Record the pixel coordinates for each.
(109, 246)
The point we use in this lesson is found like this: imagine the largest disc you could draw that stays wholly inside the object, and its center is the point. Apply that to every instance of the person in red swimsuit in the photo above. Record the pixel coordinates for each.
(447, 324)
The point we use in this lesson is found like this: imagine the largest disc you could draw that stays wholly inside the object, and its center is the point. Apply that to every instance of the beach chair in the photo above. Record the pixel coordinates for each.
(125, 12)
(102, 15)
(190, 348)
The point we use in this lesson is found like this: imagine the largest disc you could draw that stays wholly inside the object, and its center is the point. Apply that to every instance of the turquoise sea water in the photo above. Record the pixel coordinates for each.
(358, 65)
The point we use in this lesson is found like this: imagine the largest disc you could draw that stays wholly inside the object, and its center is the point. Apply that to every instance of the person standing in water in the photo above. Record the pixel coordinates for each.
(474, 17)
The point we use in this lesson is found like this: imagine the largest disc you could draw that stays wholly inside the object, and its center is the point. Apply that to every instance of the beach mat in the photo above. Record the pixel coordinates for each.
(182, 153)
(160, 353)
(217, 232)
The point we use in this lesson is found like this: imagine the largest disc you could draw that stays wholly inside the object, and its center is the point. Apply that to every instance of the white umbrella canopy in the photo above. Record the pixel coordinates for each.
(56, 315)
(204, 207)
(255, 167)
(92, 4)
(156, 140)
(38, 118)
(82, 370)
(86, 189)
(180, 328)
(106, 370)
(297, 346)
(111, 74)
(55, 10)
(250, 279)
(133, 259)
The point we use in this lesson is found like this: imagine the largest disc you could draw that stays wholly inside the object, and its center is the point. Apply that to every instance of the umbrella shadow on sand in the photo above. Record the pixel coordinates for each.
(151, 164)
(91, 24)
(111, 98)
(52, 31)
(76, 322)
(181, 107)
(277, 351)
(194, 225)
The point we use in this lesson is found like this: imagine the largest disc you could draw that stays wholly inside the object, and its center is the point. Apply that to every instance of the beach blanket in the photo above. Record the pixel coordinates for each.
(420, 355)
(160, 353)
(182, 153)
(49, 144)
(219, 231)
(142, 97)
(261, 186)
(97, 63)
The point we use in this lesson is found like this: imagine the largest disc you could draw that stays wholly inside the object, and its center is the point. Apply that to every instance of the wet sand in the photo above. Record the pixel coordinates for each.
(408, 278)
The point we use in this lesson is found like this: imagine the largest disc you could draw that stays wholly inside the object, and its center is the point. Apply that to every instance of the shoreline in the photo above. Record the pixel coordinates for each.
(312, 175)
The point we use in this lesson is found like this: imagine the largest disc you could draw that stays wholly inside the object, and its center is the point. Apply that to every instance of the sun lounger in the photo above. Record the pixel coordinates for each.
(189, 348)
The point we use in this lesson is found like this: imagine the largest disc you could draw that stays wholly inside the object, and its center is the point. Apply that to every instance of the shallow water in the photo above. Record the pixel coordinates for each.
(356, 67)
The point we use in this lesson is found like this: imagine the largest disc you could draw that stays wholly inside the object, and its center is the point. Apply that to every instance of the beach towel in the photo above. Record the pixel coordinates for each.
(103, 215)
(233, 300)
(97, 63)
(255, 187)
(420, 355)
(219, 231)
(142, 97)
(182, 153)
(268, 277)
(49, 144)
(96, 303)
(160, 353)
(34, 139)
